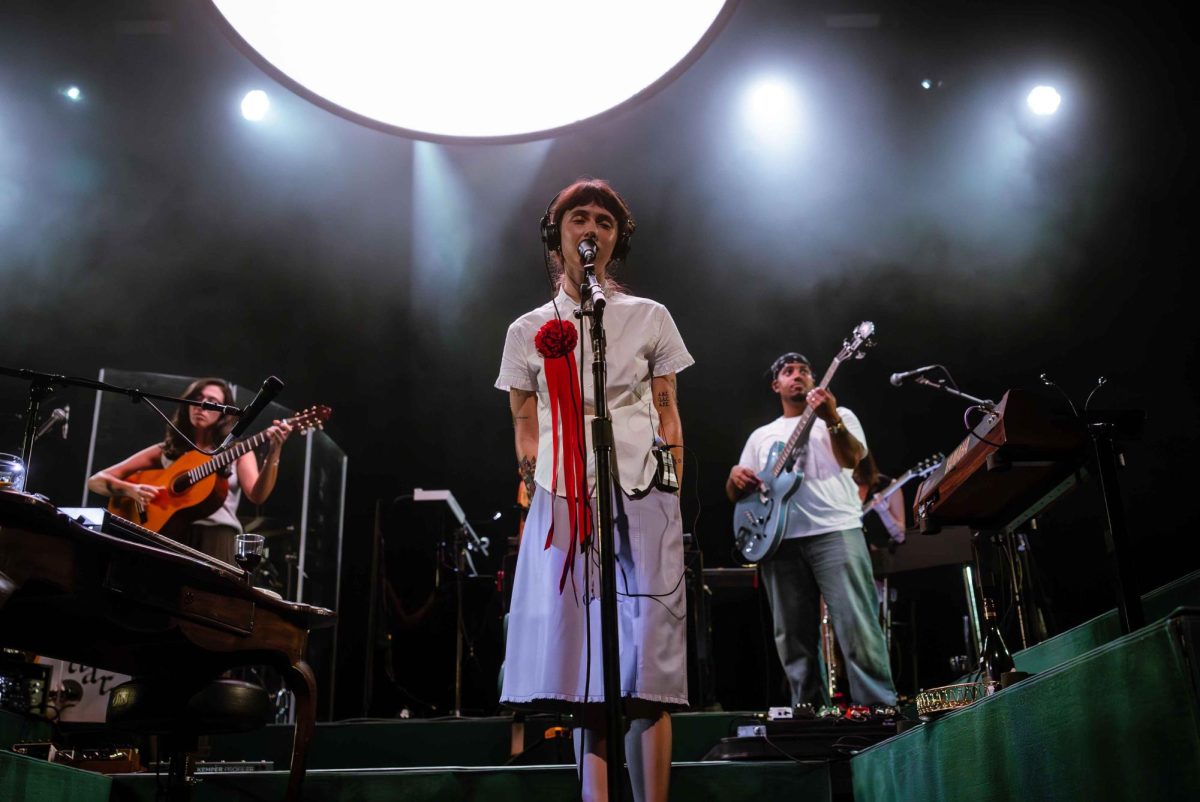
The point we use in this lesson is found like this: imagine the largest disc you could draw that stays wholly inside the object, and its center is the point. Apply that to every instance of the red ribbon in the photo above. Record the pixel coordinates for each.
(556, 341)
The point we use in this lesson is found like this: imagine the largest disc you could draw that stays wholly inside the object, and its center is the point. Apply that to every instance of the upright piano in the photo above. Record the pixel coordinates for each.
(130, 600)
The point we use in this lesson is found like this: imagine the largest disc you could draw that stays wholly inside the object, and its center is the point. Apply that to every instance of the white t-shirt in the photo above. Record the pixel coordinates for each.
(641, 342)
(827, 500)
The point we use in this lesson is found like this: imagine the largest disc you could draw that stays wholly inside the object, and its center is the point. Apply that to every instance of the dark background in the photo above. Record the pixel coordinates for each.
(151, 228)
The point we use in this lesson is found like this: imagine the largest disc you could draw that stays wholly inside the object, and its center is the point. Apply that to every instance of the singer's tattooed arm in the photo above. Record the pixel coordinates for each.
(527, 469)
(665, 391)
(523, 406)
(670, 428)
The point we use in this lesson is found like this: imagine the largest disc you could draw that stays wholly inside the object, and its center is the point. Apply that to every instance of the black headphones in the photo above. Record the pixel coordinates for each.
(551, 231)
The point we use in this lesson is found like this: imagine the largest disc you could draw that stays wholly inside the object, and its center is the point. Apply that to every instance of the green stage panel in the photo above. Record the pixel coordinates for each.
(453, 742)
(1121, 722)
(23, 779)
(693, 782)
(15, 728)
(1158, 603)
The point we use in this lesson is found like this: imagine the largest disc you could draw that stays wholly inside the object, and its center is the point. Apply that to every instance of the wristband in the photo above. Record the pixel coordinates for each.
(837, 428)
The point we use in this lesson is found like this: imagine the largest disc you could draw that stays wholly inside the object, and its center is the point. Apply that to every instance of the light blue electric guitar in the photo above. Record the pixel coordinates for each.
(760, 520)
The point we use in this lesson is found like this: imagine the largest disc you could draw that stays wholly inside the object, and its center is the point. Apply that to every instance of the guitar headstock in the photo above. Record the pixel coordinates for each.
(312, 418)
(928, 465)
(859, 339)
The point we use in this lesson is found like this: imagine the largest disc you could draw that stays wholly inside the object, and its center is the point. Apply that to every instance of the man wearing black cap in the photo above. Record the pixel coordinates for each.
(823, 553)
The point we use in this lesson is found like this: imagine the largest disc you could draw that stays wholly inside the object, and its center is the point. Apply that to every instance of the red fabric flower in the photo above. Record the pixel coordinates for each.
(556, 339)
(556, 342)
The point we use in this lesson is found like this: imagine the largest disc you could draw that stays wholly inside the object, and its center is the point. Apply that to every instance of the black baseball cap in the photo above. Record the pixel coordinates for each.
(787, 359)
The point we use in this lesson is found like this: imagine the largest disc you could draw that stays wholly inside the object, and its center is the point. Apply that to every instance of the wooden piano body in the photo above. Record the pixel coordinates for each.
(1017, 456)
(146, 606)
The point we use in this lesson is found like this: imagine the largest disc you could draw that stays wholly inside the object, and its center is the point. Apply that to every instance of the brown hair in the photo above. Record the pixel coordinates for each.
(172, 446)
(581, 192)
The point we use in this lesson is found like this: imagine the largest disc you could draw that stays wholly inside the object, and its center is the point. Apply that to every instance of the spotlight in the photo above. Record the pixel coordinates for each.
(469, 69)
(255, 105)
(927, 84)
(72, 93)
(1043, 100)
(772, 110)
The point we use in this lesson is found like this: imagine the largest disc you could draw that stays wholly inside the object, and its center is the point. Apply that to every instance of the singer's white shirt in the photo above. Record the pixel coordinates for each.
(827, 500)
(642, 342)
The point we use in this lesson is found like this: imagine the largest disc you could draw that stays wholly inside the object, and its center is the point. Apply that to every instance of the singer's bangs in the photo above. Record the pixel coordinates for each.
(592, 190)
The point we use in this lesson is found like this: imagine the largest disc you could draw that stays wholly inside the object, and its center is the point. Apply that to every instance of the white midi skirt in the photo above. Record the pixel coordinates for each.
(550, 649)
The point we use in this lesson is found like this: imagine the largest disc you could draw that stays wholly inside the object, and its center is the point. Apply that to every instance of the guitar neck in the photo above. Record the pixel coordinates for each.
(896, 484)
(230, 454)
(804, 425)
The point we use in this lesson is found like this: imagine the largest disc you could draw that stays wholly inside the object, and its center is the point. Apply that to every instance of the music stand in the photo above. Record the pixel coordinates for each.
(465, 541)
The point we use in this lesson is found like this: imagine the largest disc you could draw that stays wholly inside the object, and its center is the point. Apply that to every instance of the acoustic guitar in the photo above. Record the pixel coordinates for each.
(192, 487)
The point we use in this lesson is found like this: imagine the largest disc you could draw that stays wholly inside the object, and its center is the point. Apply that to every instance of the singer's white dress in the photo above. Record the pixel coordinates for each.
(553, 657)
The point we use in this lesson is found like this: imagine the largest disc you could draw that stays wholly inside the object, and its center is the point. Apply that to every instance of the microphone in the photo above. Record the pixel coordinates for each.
(270, 388)
(60, 416)
(898, 378)
(587, 254)
(587, 251)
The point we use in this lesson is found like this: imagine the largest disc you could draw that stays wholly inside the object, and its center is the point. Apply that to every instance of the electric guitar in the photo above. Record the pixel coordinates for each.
(918, 471)
(760, 519)
(191, 487)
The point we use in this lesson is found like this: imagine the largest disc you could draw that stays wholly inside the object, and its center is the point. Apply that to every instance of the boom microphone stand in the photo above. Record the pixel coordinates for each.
(42, 384)
(592, 302)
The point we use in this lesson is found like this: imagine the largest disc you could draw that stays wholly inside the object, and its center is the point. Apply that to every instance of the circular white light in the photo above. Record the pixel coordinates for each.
(772, 111)
(72, 93)
(1043, 100)
(472, 68)
(927, 84)
(255, 105)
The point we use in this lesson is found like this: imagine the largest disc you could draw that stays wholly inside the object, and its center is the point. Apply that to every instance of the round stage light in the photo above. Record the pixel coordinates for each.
(255, 105)
(473, 69)
(772, 111)
(1043, 100)
(73, 93)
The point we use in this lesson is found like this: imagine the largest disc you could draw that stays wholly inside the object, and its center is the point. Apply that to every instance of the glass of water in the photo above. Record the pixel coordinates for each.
(12, 472)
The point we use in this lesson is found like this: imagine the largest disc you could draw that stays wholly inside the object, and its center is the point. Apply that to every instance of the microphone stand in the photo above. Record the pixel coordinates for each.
(986, 403)
(42, 384)
(592, 303)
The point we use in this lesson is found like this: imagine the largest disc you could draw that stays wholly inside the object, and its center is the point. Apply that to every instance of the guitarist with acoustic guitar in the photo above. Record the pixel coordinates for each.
(211, 524)
(822, 553)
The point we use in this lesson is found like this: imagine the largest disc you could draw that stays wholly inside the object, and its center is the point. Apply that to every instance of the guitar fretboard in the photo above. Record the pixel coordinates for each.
(803, 426)
(226, 457)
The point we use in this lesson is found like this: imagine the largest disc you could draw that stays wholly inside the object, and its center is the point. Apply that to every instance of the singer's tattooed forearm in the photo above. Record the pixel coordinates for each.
(528, 467)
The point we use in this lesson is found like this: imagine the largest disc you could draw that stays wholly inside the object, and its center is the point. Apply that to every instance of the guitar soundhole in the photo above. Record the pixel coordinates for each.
(181, 484)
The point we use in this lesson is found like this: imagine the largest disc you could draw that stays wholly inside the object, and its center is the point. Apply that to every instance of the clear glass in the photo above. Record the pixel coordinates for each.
(12, 472)
(248, 551)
